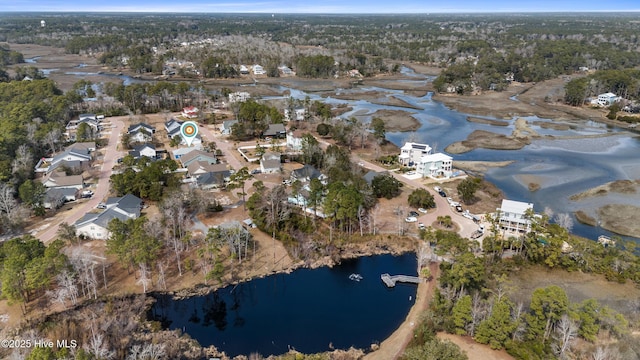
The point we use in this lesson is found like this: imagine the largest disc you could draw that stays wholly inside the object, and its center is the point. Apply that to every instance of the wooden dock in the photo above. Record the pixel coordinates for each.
(391, 281)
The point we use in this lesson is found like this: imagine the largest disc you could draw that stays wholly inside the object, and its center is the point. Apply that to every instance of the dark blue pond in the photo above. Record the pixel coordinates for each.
(307, 310)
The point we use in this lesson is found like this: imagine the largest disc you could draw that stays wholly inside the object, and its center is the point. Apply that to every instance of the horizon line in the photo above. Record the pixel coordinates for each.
(319, 13)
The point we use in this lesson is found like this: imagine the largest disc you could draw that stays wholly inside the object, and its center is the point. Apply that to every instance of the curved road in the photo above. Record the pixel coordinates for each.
(102, 189)
(466, 226)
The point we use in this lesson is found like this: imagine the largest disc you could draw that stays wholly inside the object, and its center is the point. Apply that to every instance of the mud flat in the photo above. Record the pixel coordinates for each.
(552, 125)
(487, 140)
(375, 97)
(584, 218)
(620, 219)
(618, 186)
(478, 120)
(396, 120)
(479, 166)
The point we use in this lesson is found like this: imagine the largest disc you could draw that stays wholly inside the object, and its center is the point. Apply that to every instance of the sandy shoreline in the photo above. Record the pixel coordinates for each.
(393, 346)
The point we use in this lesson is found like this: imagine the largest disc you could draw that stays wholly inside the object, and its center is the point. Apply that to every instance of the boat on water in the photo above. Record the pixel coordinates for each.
(355, 277)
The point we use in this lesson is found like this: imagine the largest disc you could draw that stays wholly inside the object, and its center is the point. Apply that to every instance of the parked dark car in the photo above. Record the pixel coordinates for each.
(414, 213)
(443, 194)
(458, 208)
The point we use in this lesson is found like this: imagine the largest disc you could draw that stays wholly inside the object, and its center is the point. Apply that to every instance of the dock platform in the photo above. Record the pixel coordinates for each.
(390, 281)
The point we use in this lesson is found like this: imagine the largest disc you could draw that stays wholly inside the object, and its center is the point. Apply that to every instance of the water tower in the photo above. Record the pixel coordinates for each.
(42, 23)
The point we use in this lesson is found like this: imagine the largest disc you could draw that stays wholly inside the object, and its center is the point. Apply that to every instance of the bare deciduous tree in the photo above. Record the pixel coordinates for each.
(147, 352)
(145, 279)
(565, 221)
(84, 263)
(23, 161)
(566, 332)
(52, 139)
(162, 268)
(7, 200)
(175, 218)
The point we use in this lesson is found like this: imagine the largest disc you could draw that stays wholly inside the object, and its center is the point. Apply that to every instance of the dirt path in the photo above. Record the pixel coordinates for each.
(474, 350)
(393, 347)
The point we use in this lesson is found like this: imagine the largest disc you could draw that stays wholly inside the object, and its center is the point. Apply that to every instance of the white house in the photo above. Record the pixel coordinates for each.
(76, 157)
(411, 153)
(607, 99)
(239, 96)
(141, 126)
(270, 162)
(258, 70)
(435, 165)
(285, 70)
(140, 136)
(148, 150)
(294, 140)
(298, 114)
(513, 216)
(95, 225)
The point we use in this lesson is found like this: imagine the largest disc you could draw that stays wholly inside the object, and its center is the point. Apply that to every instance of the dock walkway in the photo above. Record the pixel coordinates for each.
(391, 281)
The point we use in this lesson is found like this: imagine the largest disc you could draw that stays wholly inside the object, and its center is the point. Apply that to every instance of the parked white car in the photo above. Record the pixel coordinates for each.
(467, 215)
(421, 226)
(437, 188)
(422, 210)
(411, 219)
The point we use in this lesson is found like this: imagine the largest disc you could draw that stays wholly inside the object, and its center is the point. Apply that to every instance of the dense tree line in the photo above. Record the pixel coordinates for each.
(533, 48)
(10, 57)
(318, 66)
(624, 83)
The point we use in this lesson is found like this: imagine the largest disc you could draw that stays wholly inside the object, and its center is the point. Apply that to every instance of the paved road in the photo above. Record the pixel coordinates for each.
(111, 154)
(466, 226)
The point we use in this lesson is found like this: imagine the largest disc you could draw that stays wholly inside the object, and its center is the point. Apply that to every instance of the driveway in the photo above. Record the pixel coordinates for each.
(466, 226)
(111, 154)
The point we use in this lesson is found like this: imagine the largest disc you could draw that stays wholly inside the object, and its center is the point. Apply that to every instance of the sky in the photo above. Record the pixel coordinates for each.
(322, 6)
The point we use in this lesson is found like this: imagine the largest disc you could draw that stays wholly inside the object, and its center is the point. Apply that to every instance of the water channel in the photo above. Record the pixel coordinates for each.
(311, 310)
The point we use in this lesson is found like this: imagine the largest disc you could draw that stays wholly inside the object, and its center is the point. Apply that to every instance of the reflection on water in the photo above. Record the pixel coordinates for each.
(275, 313)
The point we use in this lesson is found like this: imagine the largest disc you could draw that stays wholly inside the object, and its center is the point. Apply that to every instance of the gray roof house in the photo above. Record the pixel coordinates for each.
(141, 126)
(75, 156)
(197, 168)
(226, 126)
(95, 225)
(148, 150)
(54, 198)
(173, 127)
(305, 174)
(275, 130)
(214, 179)
(198, 155)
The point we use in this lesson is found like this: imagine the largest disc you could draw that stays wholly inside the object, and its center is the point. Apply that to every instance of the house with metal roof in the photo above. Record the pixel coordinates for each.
(513, 216)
